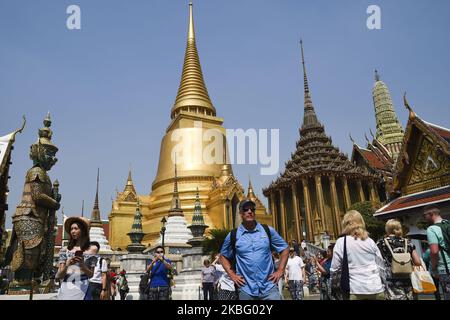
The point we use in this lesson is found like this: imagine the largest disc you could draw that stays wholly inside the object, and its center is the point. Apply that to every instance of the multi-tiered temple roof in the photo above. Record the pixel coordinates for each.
(315, 152)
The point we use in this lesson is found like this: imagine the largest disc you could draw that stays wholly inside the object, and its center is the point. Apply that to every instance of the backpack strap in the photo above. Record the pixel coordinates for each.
(389, 247)
(441, 248)
(233, 239)
(345, 274)
(269, 235)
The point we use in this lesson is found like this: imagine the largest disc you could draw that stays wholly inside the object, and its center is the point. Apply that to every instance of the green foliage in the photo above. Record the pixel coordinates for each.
(214, 241)
(374, 226)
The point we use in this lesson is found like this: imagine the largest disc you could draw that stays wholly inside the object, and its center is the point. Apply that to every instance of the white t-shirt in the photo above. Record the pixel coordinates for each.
(364, 259)
(225, 281)
(294, 268)
(97, 277)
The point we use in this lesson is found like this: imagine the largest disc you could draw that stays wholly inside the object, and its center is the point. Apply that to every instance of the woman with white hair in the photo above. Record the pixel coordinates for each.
(360, 253)
(398, 286)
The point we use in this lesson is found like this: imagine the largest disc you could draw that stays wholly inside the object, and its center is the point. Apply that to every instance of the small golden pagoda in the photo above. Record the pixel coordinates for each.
(319, 183)
(192, 115)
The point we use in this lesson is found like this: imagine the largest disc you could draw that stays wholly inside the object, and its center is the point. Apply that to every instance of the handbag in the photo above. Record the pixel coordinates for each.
(421, 281)
(340, 279)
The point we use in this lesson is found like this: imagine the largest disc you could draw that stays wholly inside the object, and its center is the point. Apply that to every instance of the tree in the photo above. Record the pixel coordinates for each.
(214, 242)
(374, 226)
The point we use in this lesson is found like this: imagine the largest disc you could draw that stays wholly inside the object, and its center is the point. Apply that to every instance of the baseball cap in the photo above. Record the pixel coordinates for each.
(246, 202)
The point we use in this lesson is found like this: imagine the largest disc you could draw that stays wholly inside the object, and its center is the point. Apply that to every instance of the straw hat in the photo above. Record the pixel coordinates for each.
(83, 221)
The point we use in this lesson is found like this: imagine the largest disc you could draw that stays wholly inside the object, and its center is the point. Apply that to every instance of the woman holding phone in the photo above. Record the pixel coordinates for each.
(159, 285)
(76, 264)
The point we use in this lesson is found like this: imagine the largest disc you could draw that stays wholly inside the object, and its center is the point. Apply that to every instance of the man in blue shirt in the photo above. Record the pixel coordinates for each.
(254, 275)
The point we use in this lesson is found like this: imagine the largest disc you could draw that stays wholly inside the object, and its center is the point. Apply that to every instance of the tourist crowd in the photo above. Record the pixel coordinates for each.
(256, 263)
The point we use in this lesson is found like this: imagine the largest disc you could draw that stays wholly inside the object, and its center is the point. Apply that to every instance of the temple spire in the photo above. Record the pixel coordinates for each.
(175, 209)
(191, 33)
(310, 117)
(389, 129)
(130, 185)
(305, 78)
(377, 75)
(96, 192)
(136, 234)
(197, 218)
(95, 215)
(129, 180)
(192, 94)
(198, 225)
(250, 193)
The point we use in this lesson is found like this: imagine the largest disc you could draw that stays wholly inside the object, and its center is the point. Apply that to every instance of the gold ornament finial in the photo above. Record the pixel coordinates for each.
(13, 139)
(367, 139)
(377, 75)
(412, 114)
(351, 138)
(191, 34)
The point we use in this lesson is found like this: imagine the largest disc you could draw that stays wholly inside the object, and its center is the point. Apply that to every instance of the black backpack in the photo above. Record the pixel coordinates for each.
(233, 240)
(445, 227)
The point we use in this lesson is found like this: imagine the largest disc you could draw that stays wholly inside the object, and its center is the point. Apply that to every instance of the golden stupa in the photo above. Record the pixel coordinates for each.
(192, 117)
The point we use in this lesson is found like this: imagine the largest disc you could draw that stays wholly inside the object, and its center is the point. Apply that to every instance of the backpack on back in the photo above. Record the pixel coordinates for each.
(401, 265)
(445, 227)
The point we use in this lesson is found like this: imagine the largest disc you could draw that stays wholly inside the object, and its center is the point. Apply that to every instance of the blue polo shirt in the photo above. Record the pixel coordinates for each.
(254, 257)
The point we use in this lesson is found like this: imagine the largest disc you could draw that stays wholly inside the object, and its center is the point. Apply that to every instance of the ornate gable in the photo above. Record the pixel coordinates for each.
(424, 161)
(430, 168)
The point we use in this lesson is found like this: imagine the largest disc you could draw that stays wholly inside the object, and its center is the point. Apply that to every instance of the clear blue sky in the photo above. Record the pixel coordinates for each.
(110, 86)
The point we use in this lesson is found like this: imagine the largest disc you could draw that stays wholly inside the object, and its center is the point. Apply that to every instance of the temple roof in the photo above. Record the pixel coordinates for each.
(315, 152)
(375, 155)
(444, 133)
(129, 193)
(415, 200)
(437, 135)
(440, 135)
(372, 159)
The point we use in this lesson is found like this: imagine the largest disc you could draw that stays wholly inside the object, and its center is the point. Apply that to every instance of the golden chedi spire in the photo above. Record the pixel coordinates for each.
(192, 93)
(129, 186)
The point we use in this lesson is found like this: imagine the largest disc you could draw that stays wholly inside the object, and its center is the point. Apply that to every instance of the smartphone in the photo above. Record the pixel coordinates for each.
(79, 253)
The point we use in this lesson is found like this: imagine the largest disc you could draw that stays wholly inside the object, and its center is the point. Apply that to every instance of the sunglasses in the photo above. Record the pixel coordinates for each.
(247, 209)
(159, 251)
